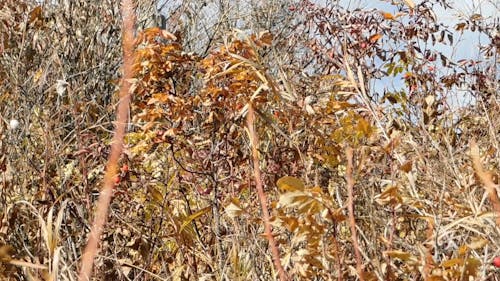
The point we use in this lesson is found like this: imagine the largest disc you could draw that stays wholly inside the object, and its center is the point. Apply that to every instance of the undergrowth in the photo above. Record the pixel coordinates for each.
(358, 185)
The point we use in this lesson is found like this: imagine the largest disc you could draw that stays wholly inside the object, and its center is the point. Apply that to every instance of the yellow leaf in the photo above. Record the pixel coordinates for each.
(435, 278)
(37, 75)
(291, 223)
(364, 127)
(339, 105)
(404, 256)
(156, 194)
(462, 250)
(293, 198)
(477, 243)
(288, 183)
(409, 3)
(6, 253)
(194, 216)
(158, 98)
(452, 262)
(471, 267)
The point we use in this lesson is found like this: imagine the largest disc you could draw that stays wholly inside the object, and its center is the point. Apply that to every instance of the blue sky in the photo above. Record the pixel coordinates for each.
(465, 46)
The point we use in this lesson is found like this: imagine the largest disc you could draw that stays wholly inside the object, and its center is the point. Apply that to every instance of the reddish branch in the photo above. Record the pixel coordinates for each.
(350, 206)
(262, 196)
(101, 213)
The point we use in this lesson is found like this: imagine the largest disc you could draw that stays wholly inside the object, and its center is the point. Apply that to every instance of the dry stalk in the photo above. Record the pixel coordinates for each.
(486, 179)
(350, 207)
(101, 213)
(262, 196)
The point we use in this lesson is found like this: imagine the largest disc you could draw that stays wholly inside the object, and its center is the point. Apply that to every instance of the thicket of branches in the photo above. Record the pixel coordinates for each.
(361, 183)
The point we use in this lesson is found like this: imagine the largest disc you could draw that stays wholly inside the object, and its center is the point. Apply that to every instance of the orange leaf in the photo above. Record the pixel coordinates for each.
(266, 38)
(406, 166)
(36, 14)
(375, 37)
(388, 16)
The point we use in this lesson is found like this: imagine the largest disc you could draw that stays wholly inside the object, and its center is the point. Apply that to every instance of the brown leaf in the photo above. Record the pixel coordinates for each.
(266, 38)
(406, 166)
(6, 252)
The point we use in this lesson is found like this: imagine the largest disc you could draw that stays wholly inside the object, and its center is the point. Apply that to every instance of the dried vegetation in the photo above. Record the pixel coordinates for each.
(361, 182)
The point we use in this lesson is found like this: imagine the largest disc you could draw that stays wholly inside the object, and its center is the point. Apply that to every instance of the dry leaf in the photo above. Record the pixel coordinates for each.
(409, 3)
(233, 209)
(477, 243)
(266, 38)
(388, 16)
(288, 183)
(194, 216)
(406, 166)
(374, 38)
(168, 35)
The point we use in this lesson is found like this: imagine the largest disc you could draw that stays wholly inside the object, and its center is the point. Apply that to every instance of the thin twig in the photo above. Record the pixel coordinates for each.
(101, 213)
(485, 177)
(350, 207)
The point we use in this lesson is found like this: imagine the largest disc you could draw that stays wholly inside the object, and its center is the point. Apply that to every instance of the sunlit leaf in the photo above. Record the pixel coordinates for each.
(168, 35)
(37, 75)
(477, 243)
(288, 183)
(463, 250)
(409, 3)
(188, 220)
(388, 16)
(389, 196)
(233, 209)
(452, 262)
(293, 198)
(404, 256)
(374, 38)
